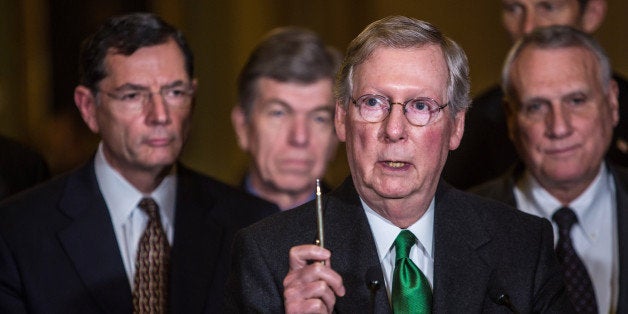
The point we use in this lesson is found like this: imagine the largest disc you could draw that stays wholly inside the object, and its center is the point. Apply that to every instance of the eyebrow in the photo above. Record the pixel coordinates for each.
(131, 86)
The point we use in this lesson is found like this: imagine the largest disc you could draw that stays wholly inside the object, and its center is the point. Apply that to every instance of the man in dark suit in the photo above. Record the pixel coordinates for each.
(561, 108)
(284, 115)
(20, 167)
(394, 234)
(132, 230)
(486, 152)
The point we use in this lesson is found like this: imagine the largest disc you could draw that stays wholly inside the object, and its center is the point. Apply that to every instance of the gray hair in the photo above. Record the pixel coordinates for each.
(556, 37)
(404, 32)
(288, 54)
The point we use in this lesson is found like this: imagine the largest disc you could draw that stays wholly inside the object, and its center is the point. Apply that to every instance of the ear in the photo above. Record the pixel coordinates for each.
(340, 121)
(194, 85)
(456, 135)
(86, 103)
(240, 126)
(593, 15)
(613, 101)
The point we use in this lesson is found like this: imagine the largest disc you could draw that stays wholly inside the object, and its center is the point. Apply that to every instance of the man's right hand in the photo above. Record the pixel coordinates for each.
(311, 287)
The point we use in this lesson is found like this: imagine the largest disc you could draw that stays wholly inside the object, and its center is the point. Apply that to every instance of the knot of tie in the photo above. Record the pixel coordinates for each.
(403, 243)
(149, 206)
(565, 218)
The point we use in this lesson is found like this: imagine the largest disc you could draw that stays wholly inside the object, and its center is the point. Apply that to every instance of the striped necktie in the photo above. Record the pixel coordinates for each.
(150, 291)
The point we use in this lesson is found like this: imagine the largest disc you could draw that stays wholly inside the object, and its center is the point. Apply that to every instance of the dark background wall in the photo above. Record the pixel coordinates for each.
(39, 42)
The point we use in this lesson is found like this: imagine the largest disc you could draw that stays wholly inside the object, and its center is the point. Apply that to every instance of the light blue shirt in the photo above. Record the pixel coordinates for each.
(385, 232)
(129, 221)
(594, 236)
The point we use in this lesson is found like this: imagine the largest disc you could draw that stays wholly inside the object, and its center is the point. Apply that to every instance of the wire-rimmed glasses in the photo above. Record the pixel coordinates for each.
(134, 99)
(419, 111)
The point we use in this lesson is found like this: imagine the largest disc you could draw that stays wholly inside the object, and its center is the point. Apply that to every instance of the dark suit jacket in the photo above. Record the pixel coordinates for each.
(502, 189)
(59, 254)
(20, 167)
(486, 151)
(482, 249)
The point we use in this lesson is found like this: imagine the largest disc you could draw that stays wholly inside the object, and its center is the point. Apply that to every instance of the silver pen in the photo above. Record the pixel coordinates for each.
(320, 238)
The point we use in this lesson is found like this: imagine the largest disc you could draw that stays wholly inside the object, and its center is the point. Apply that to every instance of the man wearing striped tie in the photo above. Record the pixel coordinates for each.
(132, 230)
(397, 238)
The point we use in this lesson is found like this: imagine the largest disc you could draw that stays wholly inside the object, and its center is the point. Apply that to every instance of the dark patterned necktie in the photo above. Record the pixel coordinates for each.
(411, 292)
(150, 292)
(577, 280)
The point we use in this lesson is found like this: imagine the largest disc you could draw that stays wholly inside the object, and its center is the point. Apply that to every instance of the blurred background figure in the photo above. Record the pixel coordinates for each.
(561, 109)
(486, 151)
(284, 115)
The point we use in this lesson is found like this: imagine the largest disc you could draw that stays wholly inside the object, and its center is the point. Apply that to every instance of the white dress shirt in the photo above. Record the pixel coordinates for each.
(129, 221)
(385, 233)
(594, 236)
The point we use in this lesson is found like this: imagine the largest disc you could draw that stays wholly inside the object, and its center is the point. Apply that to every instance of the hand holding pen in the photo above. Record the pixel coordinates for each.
(309, 286)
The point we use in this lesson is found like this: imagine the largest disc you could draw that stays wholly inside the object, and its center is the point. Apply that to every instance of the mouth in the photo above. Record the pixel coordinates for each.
(395, 164)
(159, 142)
(561, 150)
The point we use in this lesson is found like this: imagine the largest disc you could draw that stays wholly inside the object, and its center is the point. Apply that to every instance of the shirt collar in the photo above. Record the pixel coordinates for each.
(385, 232)
(122, 197)
(584, 206)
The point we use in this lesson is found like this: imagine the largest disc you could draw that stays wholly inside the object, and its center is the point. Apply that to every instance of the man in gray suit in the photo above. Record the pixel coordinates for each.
(561, 107)
(402, 93)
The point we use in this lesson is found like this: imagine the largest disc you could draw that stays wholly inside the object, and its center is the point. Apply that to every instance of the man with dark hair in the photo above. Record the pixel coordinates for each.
(284, 115)
(561, 109)
(486, 152)
(395, 235)
(132, 230)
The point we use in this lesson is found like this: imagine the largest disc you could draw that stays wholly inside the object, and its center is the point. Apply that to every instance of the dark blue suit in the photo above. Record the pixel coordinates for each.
(59, 254)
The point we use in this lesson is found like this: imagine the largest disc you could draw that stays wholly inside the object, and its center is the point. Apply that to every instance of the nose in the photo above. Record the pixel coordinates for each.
(528, 22)
(157, 110)
(299, 132)
(395, 124)
(558, 123)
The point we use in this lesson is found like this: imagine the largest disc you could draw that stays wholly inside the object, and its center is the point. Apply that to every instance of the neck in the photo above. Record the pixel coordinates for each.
(146, 181)
(401, 212)
(566, 192)
(283, 199)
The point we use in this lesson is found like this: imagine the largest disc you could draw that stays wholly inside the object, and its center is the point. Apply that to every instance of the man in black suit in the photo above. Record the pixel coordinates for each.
(132, 230)
(561, 109)
(486, 152)
(402, 93)
(20, 167)
(284, 115)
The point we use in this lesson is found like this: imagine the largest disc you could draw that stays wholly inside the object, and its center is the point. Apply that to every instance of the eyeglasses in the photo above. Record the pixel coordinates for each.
(419, 111)
(135, 99)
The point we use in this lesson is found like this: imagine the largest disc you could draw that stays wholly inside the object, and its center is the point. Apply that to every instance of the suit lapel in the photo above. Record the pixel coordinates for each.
(90, 242)
(196, 248)
(353, 251)
(463, 275)
(621, 184)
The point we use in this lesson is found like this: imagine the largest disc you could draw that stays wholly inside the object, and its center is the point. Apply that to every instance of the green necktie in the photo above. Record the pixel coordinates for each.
(411, 291)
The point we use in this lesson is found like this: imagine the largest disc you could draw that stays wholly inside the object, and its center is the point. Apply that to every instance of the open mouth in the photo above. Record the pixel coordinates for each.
(392, 164)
